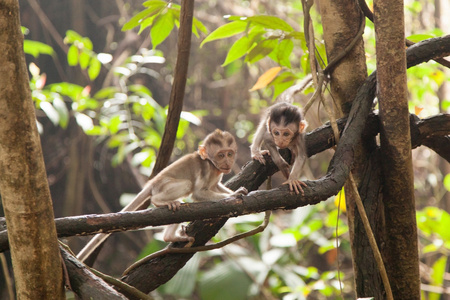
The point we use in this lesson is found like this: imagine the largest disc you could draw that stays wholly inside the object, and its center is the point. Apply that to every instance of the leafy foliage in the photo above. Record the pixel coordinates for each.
(162, 17)
(126, 115)
(81, 53)
(264, 36)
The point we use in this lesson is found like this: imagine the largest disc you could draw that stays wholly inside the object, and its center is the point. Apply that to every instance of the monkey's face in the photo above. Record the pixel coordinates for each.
(223, 159)
(283, 135)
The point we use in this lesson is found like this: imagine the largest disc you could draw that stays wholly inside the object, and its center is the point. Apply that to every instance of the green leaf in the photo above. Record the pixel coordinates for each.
(242, 46)
(238, 49)
(114, 124)
(419, 37)
(261, 50)
(437, 276)
(67, 89)
(72, 56)
(270, 22)
(282, 82)
(447, 182)
(282, 52)
(84, 60)
(94, 68)
(107, 92)
(154, 3)
(72, 37)
(140, 17)
(199, 25)
(36, 48)
(87, 43)
(225, 31)
(161, 28)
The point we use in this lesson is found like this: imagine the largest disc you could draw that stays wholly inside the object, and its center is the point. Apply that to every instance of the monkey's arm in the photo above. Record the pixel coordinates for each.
(258, 138)
(240, 191)
(294, 183)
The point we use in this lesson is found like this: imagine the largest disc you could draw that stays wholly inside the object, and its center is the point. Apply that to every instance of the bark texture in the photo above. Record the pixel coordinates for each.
(341, 20)
(23, 182)
(401, 251)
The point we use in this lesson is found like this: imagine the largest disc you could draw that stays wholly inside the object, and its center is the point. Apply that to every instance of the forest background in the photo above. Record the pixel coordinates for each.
(101, 95)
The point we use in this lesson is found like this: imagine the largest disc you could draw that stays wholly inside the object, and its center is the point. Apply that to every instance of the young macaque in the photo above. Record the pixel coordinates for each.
(282, 127)
(199, 173)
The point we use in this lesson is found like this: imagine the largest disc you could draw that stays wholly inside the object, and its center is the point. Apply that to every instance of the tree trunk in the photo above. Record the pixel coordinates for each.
(23, 182)
(401, 252)
(346, 78)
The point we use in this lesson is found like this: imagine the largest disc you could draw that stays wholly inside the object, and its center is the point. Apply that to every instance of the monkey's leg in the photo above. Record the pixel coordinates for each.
(175, 233)
(168, 193)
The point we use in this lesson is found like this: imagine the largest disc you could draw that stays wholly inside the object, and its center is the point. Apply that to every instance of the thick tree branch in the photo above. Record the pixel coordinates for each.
(83, 282)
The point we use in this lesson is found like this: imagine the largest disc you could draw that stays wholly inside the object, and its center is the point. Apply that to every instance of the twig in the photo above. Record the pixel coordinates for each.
(372, 241)
(178, 87)
(8, 280)
(122, 285)
(218, 245)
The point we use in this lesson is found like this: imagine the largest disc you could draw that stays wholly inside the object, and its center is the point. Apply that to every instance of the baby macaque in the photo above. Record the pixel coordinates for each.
(282, 127)
(199, 173)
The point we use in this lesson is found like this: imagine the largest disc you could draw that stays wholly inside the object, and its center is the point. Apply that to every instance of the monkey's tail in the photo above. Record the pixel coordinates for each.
(140, 202)
(288, 94)
(93, 244)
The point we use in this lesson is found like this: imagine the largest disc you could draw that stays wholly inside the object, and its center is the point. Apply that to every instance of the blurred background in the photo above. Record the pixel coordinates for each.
(101, 96)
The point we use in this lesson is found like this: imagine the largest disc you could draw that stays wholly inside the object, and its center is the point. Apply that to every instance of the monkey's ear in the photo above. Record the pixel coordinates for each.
(202, 152)
(268, 124)
(302, 126)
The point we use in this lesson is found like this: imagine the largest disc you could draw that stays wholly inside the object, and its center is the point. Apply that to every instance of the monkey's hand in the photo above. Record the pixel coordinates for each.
(175, 205)
(172, 205)
(296, 185)
(240, 191)
(259, 156)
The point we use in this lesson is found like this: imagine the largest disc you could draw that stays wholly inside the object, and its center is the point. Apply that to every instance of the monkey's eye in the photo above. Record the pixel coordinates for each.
(276, 133)
(221, 155)
(230, 154)
(286, 134)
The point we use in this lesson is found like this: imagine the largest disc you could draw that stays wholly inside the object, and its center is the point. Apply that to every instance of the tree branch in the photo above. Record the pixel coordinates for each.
(431, 132)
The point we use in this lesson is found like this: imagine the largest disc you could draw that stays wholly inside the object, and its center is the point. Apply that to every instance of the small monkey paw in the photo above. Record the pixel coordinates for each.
(259, 156)
(174, 206)
(241, 191)
(296, 185)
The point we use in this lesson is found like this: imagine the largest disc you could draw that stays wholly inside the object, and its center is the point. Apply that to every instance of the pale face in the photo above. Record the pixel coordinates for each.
(224, 159)
(283, 135)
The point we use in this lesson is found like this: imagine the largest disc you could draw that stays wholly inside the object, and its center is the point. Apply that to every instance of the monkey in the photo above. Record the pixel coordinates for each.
(198, 174)
(281, 127)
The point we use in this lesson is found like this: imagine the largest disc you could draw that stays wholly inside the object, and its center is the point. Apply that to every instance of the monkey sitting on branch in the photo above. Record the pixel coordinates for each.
(198, 174)
(281, 127)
